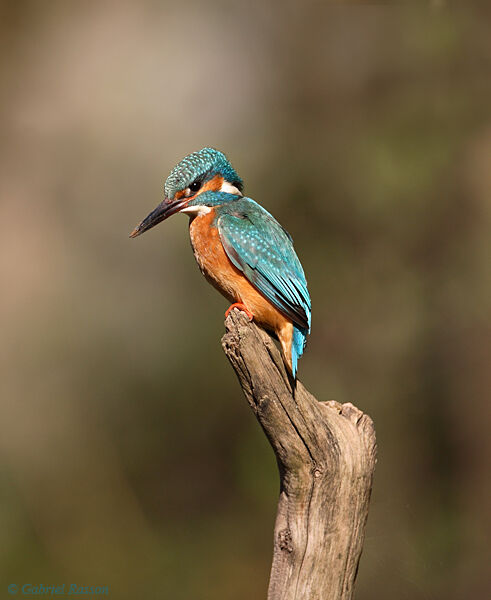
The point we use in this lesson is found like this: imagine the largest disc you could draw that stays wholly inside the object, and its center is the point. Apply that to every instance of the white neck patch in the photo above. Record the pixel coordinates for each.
(228, 188)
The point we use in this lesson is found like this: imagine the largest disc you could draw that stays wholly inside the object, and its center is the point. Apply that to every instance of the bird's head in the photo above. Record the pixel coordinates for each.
(207, 170)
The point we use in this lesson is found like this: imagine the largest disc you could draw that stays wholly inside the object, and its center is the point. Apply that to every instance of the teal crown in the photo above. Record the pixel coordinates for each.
(202, 166)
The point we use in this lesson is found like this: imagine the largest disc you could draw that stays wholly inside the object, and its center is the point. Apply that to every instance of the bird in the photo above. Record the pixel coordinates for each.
(240, 248)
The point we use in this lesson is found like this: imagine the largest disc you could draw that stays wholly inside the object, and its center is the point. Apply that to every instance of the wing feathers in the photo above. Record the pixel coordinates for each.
(257, 245)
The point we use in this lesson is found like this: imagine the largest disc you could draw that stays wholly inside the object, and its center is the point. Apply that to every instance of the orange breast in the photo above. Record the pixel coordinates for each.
(226, 278)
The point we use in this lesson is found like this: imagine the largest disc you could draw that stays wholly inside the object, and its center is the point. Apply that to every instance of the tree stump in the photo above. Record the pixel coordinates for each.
(326, 454)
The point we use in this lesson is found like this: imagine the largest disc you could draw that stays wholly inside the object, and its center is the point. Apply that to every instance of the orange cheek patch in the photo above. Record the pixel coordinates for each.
(214, 185)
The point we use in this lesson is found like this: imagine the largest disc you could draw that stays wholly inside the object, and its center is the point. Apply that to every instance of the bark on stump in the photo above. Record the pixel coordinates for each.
(326, 454)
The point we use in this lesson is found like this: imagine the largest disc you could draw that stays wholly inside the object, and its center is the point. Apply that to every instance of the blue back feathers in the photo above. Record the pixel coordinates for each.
(259, 246)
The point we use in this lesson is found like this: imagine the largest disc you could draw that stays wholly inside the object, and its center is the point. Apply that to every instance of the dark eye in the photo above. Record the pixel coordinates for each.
(194, 187)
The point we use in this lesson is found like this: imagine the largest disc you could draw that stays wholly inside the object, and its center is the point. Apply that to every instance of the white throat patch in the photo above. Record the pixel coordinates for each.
(196, 210)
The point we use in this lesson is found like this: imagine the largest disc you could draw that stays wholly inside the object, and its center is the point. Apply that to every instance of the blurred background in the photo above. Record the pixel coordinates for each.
(128, 456)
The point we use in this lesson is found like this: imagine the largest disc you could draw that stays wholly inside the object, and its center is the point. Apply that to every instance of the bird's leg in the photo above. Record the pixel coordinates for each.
(241, 307)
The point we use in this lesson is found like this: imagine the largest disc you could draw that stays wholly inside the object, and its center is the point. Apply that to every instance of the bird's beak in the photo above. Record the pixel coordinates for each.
(164, 210)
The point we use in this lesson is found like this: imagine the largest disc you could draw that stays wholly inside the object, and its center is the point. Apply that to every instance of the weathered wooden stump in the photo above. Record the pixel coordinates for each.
(326, 454)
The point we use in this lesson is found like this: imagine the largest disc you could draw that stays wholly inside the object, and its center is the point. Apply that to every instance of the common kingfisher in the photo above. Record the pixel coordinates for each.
(240, 248)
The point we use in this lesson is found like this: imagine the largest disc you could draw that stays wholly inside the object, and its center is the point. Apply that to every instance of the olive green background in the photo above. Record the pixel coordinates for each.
(128, 456)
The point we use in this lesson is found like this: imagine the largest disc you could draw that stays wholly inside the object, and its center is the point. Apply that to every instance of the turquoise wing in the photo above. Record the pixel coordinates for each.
(259, 247)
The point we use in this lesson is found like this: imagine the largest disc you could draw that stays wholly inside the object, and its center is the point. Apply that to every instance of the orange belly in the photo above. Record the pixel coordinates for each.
(228, 280)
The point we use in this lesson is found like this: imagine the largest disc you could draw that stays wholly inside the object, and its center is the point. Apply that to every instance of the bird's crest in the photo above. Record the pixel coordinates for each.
(202, 165)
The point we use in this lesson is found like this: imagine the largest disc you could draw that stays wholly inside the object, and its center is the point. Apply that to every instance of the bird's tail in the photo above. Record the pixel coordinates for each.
(299, 339)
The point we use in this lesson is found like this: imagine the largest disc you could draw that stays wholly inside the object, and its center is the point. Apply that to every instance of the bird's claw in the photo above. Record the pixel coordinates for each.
(241, 307)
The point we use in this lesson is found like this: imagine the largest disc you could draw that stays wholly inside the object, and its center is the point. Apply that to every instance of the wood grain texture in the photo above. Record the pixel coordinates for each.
(326, 454)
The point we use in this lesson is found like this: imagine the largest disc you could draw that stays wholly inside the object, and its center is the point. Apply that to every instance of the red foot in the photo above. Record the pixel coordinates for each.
(241, 307)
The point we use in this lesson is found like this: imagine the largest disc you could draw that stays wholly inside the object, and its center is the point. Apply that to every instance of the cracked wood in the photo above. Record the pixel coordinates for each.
(326, 454)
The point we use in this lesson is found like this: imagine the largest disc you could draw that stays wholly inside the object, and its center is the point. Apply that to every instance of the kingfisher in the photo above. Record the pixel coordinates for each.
(240, 248)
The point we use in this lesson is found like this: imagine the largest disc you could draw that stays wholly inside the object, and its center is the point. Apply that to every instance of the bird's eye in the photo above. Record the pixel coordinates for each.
(194, 187)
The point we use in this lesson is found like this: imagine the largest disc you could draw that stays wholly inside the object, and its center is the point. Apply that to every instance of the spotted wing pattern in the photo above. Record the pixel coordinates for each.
(258, 246)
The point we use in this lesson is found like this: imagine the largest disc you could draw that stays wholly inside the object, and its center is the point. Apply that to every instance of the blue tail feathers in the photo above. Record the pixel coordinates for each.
(299, 340)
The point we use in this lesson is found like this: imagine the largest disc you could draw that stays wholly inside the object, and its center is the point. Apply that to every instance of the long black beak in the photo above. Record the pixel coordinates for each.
(164, 210)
